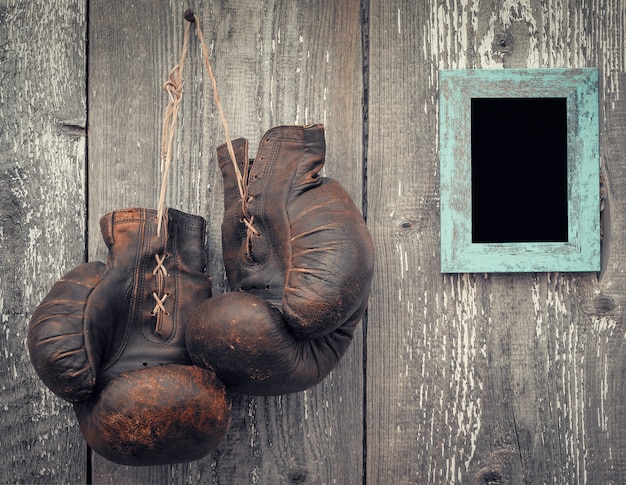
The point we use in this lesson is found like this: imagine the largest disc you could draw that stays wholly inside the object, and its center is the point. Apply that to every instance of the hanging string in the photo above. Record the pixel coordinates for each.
(242, 180)
(174, 88)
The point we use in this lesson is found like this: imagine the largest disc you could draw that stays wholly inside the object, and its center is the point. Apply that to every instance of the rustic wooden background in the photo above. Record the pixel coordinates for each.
(469, 378)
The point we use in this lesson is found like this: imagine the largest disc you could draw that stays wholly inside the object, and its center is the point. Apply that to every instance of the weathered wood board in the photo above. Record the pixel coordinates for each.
(469, 378)
(42, 222)
(276, 62)
(487, 378)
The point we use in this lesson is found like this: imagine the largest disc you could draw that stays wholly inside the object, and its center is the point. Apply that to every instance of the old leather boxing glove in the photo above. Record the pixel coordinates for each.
(299, 261)
(110, 338)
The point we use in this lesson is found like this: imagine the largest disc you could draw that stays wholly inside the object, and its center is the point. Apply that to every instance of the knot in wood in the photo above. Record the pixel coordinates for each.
(297, 475)
(604, 304)
(491, 477)
(504, 43)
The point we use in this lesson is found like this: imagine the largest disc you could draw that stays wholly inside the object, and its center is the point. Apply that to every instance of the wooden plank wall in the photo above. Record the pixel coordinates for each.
(42, 222)
(276, 63)
(470, 378)
(487, 378)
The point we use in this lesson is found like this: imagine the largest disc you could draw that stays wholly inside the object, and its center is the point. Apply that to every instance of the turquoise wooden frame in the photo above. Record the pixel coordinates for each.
(582, 250)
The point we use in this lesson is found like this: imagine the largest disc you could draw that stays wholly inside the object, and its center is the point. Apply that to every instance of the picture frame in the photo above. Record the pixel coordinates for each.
(579, 251)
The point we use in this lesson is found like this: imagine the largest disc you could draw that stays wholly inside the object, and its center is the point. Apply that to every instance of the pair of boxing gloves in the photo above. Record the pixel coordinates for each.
(148, 356)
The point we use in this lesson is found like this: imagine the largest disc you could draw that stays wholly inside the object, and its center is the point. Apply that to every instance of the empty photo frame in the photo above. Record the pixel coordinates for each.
(519, 170)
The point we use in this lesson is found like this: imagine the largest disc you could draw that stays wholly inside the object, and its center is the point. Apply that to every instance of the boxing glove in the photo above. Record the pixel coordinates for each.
(110, 339)
(299, 261)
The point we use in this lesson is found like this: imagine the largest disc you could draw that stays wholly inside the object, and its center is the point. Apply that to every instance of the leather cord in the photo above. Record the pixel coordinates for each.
(174, 86)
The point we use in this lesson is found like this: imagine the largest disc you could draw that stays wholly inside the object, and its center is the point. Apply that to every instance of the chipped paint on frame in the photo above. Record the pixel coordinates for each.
(582, 250)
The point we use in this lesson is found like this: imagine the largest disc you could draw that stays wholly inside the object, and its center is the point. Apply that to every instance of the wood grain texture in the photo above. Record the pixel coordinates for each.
(276, 62)
(42, 222)
(512, 378)
(469, 378)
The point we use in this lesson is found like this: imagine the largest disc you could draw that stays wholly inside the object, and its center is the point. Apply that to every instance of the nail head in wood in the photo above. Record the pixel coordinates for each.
(189, 15)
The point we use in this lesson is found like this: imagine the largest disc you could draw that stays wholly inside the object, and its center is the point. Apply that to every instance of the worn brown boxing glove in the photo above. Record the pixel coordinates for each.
(299, 261)
(110, 338)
